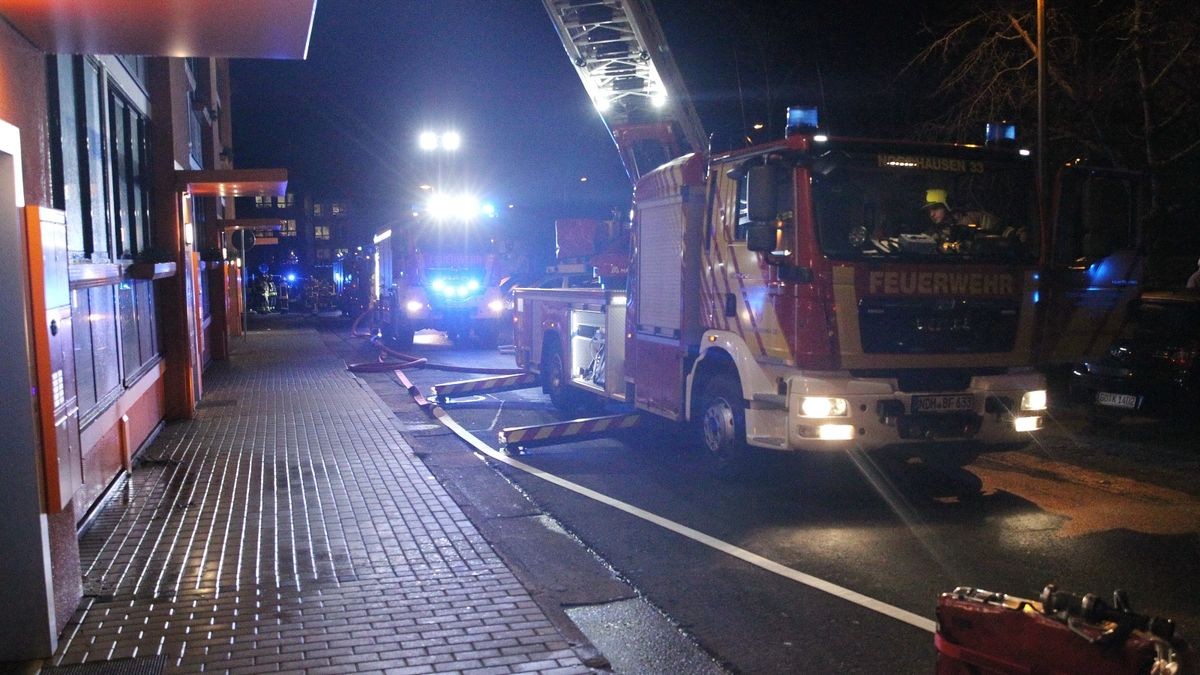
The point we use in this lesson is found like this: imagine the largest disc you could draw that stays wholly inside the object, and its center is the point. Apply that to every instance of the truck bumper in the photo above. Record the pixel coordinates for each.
(878, 414)
(453, 320)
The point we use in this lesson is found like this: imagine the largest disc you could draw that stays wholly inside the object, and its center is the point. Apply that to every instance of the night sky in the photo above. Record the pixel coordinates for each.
(344, 122)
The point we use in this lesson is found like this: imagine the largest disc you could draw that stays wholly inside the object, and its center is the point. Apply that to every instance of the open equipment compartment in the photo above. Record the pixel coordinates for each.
(597, 358)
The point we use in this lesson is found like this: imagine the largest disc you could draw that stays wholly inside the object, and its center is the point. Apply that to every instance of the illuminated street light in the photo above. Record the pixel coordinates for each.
(448, 141)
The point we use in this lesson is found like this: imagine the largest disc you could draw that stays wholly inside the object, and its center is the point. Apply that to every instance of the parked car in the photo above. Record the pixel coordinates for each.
(1153, 367)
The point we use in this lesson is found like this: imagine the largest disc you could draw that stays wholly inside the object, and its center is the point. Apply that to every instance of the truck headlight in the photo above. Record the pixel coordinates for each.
(821, 406)
(496, 306)
(1034, 400)
(414, 306)
(1027, 423)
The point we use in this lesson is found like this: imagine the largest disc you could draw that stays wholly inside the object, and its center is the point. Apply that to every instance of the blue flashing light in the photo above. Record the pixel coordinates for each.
(1000, 133)
(801, 118)
(291, 278)
(455, 288)
(1037, 297)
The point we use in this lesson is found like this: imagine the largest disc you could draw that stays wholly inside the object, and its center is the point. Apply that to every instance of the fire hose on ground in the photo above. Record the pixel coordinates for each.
(404, 360)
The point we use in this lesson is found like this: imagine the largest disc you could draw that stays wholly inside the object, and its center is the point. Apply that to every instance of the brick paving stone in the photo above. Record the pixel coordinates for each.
(289, 527)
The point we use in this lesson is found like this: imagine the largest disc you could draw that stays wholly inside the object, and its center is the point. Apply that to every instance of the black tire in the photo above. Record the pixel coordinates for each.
(721, 426)
(486, 335)
(565, 398)
(402, 336)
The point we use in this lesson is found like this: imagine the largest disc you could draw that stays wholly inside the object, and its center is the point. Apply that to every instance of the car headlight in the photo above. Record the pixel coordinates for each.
(1034, 400)
(821, 406)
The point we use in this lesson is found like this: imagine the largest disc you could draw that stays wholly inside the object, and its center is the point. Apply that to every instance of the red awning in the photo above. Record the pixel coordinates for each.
(233, 182)
(268, 29)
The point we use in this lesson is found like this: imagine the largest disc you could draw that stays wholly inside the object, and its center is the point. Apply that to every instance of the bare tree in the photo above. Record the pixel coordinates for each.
(1120, 73)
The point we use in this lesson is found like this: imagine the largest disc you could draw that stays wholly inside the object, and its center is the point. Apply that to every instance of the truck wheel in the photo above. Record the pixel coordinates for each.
(566, 399)
(722, 425)
(403, 336)
(486, 335)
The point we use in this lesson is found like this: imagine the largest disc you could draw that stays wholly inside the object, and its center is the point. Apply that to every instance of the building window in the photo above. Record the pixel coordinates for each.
(284, 202)
(137, 67)
(139, 338)
(100, 176)
(195, 130)
(287, 228)
(337, 209)
(321, 232)
(129, 176)
(99, 160)
(317, 209)
(261, 202)
(323, 254)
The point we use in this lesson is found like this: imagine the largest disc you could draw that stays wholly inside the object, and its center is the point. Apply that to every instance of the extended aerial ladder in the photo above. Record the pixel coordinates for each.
(619, 51)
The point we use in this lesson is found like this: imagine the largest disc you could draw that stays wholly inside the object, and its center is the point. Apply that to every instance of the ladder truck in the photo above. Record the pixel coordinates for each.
(794, 295)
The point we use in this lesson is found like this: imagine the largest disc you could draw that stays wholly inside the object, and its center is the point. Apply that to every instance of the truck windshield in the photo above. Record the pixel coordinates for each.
(454, 238)
(889, 205)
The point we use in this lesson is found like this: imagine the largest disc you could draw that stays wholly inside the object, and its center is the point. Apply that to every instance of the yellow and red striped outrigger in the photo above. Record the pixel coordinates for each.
(564, 432)
(484, 385)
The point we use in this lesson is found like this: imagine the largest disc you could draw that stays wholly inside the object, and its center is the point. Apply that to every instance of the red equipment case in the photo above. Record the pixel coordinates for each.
(984, 633)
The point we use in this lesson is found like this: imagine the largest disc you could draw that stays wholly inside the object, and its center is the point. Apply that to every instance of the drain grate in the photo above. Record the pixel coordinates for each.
(149, 665)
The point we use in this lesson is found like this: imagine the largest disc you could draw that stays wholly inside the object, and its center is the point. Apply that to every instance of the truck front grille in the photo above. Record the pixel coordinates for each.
(929, 326)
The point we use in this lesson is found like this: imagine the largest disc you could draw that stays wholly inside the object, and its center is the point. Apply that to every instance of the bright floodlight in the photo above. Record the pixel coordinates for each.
(428, 140)
(658, 99)
(451, 141)
(443, 206)
(603, 102)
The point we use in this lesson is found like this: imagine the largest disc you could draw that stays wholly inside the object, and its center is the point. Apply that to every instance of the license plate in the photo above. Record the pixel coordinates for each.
(1116, 400)
(943, 403)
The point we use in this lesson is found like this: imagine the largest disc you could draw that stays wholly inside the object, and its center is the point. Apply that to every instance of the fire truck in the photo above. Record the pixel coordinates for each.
(444, 276)
(794, 295)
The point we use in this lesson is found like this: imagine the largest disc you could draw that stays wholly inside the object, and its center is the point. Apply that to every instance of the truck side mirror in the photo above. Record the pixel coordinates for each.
(761, 202)
(760, 236)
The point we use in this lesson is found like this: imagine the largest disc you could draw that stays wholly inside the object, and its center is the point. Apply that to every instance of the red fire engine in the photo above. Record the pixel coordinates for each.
(796, 294)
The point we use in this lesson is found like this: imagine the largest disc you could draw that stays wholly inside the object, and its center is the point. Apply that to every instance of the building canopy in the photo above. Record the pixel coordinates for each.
(268, 29)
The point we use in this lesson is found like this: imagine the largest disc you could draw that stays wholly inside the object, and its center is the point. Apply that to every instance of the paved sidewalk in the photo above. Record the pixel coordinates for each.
(289, 527)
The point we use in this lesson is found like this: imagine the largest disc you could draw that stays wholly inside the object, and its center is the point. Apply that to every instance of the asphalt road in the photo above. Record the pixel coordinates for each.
(1089, 509)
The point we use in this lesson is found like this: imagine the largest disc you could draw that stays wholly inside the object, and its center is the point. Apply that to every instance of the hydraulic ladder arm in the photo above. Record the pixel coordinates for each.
(619, 52)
